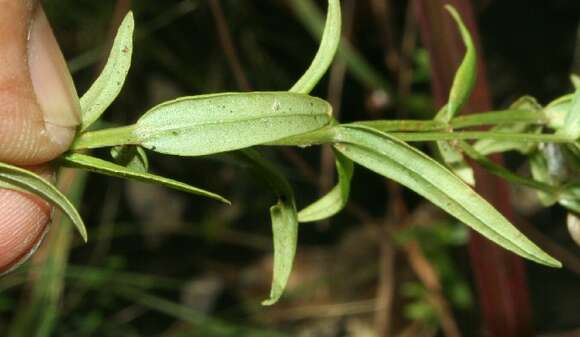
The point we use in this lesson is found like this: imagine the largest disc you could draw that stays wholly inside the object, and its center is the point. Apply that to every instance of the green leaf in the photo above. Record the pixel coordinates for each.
(132, 157)
(461, 89)
(361, 70)
(109, 83)
(285, 232)
(335, 200)
(571, 127)
(8, 186)
(209, 124)
(284, 220)
(97, 165)
(326, 51)
(464, 80)
(397, 160)
(25, 180)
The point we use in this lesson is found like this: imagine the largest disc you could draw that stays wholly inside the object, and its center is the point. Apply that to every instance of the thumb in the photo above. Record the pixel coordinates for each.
(39, 112)
(39, 106)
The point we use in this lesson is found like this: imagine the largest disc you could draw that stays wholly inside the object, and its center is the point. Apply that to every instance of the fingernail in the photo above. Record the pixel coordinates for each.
(52, 82)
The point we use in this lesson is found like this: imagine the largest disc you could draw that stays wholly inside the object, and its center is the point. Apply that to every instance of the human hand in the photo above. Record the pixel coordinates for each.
(39, 113)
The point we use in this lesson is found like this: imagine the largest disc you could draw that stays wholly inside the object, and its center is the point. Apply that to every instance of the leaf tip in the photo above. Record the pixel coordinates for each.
(83, 233)
(269, 302)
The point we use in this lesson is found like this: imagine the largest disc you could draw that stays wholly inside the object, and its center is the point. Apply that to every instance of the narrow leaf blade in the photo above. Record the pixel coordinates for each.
(109, 83)
(328, 47)
(285, 232)
(208, 124)
(335, 200)
(97, 165)
(397, 160)
(284, 219)
(464, 80)
(32, 183)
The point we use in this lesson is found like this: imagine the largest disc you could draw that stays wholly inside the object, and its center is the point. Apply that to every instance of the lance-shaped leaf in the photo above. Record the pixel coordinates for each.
(97, 165)
(28, 181)
(284, 220)
(285, 234)
(208, 124)
(109, 83)
(464, 79)
(335, 200)
(397, 160)
(461, 89)
(326, 51)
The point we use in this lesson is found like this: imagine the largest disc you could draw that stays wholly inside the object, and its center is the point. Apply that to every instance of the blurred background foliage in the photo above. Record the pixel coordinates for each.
(162, 263)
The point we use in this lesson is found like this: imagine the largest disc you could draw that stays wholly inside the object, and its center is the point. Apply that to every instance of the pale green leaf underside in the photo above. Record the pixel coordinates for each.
(397, 160)
(284, 220)
(209, 124)
(109, 83)
(326, 51)
(335, 200)
(97, 165)
(25, 180)
(285, 233)
(465, 76)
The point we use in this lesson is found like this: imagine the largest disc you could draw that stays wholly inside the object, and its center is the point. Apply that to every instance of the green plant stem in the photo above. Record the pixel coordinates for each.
(467, 135)
(405, 125)
(327, 135)
(480, 119)
(105, 138)
(498, 117)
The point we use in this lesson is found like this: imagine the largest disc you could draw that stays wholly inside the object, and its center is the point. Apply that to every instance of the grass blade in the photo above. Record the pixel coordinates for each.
(81, 161)
(35, 184)
(397, 160)
(109, 83)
